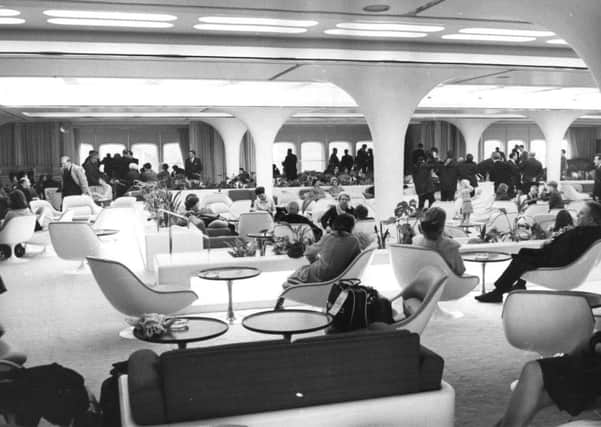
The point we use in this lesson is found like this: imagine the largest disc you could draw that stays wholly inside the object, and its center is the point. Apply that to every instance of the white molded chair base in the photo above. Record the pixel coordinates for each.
(80, 269)
(14, 260)
(127, 333)
(442, 313)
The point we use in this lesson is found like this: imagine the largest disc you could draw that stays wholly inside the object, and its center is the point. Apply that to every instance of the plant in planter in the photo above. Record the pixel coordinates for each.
(156, 196)
(294, 246)
(403, 214)
(242, 248)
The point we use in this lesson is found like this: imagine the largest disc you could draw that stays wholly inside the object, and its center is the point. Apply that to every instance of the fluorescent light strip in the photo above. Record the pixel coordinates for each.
(11, 21)
(382, 26)
(249, 28)
(91, 14)
(236, 20)
(125, 114)
(9, 12)
(588, 117)
(361, 33)
(467, 116)
(109, 23)
(268, 52)
(557, 41)
(506, 32)
(325, 115)
(488, 38)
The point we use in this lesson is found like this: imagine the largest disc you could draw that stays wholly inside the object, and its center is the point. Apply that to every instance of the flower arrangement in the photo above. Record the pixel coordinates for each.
(242, 248)
(294, 246)
(151, 324)
(403, 213)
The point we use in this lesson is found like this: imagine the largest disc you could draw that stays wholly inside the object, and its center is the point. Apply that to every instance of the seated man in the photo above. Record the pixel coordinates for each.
(559, 252)
(553, 196)
(263, 202)
(571, 382)
(331, 256)
(432, 228)
(293, 217)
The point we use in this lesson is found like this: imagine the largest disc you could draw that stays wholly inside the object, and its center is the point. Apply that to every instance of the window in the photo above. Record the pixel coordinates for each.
(146, 153)
(312, 156)
(280, 149)
(490, 146)
(341, 146)
(172, 154)
(512, 143)
(358, 145)
(111, 149)
(539, 147)
(84, 150)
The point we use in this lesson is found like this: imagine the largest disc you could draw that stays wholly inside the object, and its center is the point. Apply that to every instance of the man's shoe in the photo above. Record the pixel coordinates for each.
(520, 284)
(492, 296)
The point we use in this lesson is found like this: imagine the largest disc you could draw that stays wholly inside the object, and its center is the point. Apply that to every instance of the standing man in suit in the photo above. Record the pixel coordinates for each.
(333, 162)
(74, 178)
(289, 164)
(361, 159)
(501, 172)
(532, 172)
(597, 186)
(561, 251)
(346, 163)
(193, 166)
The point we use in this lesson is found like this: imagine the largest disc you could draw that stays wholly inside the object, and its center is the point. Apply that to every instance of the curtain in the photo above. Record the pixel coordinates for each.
(7, 146)
(582, 141)
(184, 141)
(210, 149)
(247, 153)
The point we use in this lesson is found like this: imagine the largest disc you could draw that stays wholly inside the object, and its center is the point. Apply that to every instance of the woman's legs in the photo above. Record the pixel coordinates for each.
(528, 397)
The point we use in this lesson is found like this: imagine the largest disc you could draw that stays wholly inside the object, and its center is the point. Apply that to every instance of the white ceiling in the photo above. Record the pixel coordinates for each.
(186, 71)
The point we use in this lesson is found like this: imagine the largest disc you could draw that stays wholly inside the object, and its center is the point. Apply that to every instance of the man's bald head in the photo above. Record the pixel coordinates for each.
(293, 208)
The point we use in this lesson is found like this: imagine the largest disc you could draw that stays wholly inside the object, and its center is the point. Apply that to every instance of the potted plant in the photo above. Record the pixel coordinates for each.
(403, 213)
(295, 244)
(157, 196)
(242, 248)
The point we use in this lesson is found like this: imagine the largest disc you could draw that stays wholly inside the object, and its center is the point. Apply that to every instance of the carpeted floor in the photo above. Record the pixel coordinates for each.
(60, 317)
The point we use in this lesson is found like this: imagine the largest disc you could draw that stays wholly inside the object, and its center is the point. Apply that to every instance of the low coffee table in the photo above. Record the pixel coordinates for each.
(229, 274)
(484, 257)
(287, 322)
(198, 329)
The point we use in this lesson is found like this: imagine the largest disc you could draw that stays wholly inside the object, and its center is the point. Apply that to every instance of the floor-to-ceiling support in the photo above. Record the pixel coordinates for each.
(472, 130)
(231, 130)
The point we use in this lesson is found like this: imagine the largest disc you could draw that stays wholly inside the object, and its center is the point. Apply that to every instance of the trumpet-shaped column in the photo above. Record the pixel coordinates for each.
(472, 130)
(231, 130)
(263, 124)
(554, 125)
(387, 96)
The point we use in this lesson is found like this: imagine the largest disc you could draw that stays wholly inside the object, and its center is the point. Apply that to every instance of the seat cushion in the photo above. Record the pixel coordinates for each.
(245, 378)
(145, 389)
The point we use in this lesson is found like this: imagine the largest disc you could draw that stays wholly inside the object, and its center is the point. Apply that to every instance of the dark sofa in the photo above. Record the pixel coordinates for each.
(214, 383)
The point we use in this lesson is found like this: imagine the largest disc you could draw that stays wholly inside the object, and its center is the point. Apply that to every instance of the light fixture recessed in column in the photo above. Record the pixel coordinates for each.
(98, 14)
(377, 8)
(389, 26)
(9, 12)
(557, 41)
(384, 34)
(11, 21)
(242, 20)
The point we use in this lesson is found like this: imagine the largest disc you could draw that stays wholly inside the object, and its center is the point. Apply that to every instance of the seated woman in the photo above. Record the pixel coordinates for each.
(17, 206)
(335, 188)
(532, 196)
(263, 202)
(330, 256)
(364, 227)
(571, 382)
(502, 192)
(342, 207)
(563, 223)
(432, 228)
(201, 218)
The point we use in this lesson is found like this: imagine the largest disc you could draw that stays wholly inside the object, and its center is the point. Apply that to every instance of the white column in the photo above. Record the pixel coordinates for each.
(231, 130)
(554, 125)
(387, 96)
(263, 124)
(472, 130)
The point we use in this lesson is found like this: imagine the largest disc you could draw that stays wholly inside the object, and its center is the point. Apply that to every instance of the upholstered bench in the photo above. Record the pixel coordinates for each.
(368, 378)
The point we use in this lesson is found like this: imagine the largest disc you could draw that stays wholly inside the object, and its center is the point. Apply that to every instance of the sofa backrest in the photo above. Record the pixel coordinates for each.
(264, 376)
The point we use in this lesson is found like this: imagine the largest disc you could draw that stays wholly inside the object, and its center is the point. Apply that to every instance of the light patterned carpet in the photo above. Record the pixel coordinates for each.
(65, 318)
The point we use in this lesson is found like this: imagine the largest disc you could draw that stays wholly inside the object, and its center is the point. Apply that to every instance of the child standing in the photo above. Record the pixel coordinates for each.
(466, 197)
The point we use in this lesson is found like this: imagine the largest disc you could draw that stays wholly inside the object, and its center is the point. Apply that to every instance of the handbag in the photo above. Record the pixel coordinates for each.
(354, 306)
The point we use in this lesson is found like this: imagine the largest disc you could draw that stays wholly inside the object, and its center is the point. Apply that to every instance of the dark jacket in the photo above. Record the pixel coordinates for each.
(566, 247)
(483, 168)
(448, 174)
(289, 164)
(597, 185)
(299, 219)
(501, 172)
(532, 170)
(331, 214)
(346, 162)
(555, 200)
(193, 168)
(467, 170)
(422, 178)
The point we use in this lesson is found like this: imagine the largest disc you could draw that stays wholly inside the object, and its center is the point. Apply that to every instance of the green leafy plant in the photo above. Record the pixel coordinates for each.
(242, 248)
(157, 196)
(294, 246)
(403, 213)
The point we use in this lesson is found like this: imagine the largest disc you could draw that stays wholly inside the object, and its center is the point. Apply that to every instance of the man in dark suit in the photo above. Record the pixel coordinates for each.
(597, 185)
(289, 164)
(346, 163)
(334, 162)
(532, 172)
(193, 166)
(561, 251)
(501, 172)
(293, 217)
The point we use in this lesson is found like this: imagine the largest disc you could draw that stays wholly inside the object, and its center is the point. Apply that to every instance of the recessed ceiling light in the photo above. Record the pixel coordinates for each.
(557, 41)
(377, 8)
(236, 20)
(250, 28)
(109, 23)
(466, 116)
(360, 33)
(11, 21)
(587, 117)
(390, 26)
(488, 38)
(92, 14)
(506, 32)
(9, 12)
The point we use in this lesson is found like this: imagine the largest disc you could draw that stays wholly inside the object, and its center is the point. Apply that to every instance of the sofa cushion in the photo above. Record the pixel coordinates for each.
(145, 388)
(272, 375)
